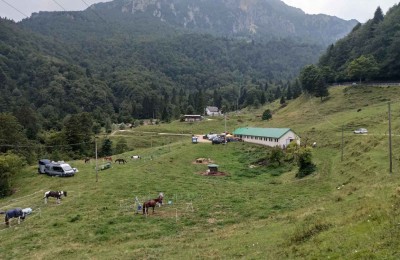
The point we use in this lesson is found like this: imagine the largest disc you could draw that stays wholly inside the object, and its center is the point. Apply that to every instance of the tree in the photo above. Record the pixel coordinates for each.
(378, 15)
(321, 89)
(289, 93)
(121, 146)
(282, 101)
(296, 89)
(108, 125)
(278, 92)
(276, 155)
(309, 76)
(106, 148)
(263, 98)
(267, 115)
(364, 66)
(28, 118)
(313, 81)
(305, 163)
(10, 164)
(11, 133)
(78, 133)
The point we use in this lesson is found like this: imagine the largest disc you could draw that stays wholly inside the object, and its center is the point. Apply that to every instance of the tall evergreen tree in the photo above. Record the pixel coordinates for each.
(263, 98)
(106, 147)
(378, 15)
(278, 92)
(289, 94)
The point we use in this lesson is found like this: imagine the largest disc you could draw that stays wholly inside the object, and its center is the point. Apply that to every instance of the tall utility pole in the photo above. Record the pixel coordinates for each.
(390, 140)
(342, 142)
(225, 121)
(95, 141)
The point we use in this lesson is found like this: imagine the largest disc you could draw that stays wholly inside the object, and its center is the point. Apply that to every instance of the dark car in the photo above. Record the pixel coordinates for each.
(217, 140)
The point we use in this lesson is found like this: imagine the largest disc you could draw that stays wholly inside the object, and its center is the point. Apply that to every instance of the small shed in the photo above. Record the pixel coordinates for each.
(193, 118)
(213, 168)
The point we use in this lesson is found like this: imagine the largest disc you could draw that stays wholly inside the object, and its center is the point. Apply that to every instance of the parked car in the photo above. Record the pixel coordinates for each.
(211, 136)
(59, 169)
(42, 165)
(218, 140)
(361, 131)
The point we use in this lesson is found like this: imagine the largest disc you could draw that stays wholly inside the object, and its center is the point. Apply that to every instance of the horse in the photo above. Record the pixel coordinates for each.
(54, 194)
(136, 157)
(87, 160)
(121, 161)
(108, 158)
(152, 203)
(15, 213)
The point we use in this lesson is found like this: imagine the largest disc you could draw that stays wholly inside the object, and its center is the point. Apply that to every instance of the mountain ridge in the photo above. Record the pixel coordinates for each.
(248, 19)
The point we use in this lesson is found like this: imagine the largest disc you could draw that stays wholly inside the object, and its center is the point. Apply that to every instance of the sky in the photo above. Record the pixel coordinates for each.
(362, 10)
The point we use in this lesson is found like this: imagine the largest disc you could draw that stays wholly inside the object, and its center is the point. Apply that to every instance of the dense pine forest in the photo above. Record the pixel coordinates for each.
(370, 52)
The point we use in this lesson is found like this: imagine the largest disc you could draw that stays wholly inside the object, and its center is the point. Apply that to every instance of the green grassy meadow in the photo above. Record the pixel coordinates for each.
(347, 209)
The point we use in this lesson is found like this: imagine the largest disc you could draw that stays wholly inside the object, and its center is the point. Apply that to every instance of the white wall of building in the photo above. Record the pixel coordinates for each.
(281, 142)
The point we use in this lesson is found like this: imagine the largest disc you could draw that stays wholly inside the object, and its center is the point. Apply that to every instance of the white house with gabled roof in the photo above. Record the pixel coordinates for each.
(267, 136)
(213, 111)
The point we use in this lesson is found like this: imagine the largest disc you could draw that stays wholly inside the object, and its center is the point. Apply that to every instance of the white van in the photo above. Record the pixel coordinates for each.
(59, 169)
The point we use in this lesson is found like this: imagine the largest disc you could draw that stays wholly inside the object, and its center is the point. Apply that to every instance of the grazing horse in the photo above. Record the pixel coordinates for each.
(87, 160)
(152, 203)
(14, 213)
(54, 194)
(108, 158)
(121, 161)
(136, 157)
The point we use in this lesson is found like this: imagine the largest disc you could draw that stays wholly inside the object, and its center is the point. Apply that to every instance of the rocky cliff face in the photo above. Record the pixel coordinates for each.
(255, 19)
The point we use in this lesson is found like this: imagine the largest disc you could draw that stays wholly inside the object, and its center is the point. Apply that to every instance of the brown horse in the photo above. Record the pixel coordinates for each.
(108, 158)
(152, 203)
(120, 161)
(87, 160)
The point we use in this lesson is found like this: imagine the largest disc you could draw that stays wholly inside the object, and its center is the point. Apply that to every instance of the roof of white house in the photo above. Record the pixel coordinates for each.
(262, 132)
(213, 109)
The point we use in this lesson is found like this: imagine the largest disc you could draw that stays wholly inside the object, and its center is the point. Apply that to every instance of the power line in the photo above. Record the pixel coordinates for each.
(59, 5)
(97, 14)
(33, 146)
(13, 7)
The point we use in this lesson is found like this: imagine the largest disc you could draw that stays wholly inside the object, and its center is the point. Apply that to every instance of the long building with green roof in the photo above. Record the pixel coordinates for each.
(267, 136)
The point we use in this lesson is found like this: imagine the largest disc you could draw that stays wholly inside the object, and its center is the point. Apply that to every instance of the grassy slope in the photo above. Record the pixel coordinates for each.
(252, 213)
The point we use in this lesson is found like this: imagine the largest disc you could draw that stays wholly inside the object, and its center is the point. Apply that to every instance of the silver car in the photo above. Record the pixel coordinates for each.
(361, 131)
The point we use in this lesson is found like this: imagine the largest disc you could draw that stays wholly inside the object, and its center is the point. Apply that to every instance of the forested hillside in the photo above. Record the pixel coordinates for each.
(370, 52)
(65, 76)
(146, 74)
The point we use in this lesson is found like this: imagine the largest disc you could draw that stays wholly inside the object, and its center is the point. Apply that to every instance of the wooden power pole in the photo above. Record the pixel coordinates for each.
(390, 141)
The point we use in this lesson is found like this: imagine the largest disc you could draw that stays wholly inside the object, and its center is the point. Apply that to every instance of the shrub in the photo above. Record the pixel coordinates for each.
(9, 165)
(267, 115)
(306, 166)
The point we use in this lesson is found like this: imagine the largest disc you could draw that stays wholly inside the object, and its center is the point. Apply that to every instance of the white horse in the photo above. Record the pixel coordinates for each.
(136, 157)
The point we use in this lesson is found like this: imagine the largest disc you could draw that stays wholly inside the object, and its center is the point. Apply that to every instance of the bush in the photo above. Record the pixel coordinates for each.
(306, 166)
(267, 115)
(9, 165)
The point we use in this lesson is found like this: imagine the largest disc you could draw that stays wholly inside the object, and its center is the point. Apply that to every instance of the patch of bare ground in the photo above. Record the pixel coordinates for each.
(203, 161)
